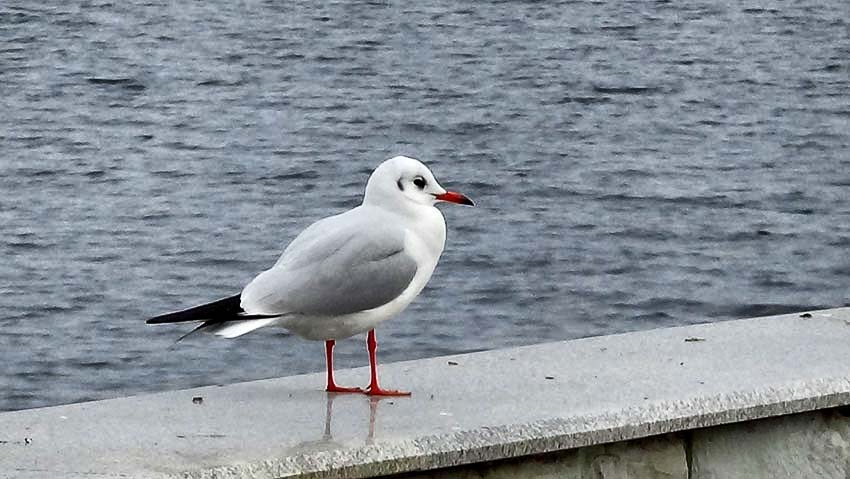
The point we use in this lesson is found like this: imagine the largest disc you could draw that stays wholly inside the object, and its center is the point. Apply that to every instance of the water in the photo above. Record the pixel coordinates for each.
(636, 165)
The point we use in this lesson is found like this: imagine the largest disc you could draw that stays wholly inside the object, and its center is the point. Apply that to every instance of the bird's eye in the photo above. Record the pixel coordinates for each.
(419, 182)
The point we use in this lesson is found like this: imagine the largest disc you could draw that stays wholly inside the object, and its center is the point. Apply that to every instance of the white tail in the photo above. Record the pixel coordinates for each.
(232, 329)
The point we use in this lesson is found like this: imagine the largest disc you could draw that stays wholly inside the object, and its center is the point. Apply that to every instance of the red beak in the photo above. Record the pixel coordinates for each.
(453, 197)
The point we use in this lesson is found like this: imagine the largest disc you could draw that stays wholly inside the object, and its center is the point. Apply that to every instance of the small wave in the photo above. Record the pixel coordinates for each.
(713, 200)
(758, 11)
(634, 173)
(183, 146)
(94, 174)
(93, 364)
(467, 127)
(644, 234)
(771, 281)
(160, 215)
(420, 127)
(295, 175)
(841, 241)
(170, 173)
(843, 270)
(218, 262)
(798, 211)
(27, 245)
(101, 258)
(321, 58)
(39, 173)
(627, 90)
(618, 28)
(126, 83)
(736, 236)
(806, 145)
(16, 18)
(290, 56)
(584, 100)
(220, 82)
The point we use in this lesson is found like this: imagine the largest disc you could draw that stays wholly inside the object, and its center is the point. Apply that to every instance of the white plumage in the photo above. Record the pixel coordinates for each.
(347, 273)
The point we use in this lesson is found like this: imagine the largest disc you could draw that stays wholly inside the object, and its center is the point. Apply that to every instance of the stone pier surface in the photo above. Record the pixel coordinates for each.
(760, 397)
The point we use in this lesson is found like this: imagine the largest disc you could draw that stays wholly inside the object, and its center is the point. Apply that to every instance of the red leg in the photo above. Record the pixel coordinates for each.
(329, 357)
(374, 389)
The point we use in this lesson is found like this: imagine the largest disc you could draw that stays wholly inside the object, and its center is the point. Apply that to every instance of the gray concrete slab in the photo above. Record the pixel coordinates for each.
(464, 409)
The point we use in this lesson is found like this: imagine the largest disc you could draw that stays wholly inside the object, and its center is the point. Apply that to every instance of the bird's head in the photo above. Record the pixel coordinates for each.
(403, 181)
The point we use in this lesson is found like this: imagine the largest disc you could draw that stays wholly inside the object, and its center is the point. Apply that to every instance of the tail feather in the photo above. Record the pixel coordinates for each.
(232, 329)
(224, 317)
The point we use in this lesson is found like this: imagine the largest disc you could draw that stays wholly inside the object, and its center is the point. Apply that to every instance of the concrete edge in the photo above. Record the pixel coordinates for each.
(517, 440)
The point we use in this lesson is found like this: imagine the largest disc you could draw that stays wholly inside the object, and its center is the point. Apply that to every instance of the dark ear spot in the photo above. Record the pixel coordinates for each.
(399, 184)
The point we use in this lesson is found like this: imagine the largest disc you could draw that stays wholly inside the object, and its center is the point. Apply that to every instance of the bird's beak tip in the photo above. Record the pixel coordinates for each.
(454, 197)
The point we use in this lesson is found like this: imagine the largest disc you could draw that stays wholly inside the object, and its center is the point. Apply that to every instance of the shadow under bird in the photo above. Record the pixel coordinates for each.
(347, 273)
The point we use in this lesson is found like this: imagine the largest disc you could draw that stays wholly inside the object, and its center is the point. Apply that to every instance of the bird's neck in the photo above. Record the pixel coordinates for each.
(430, 225)
(425, 221)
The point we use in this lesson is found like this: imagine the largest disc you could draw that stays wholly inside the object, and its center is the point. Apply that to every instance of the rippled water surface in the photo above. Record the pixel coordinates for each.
(636, 165)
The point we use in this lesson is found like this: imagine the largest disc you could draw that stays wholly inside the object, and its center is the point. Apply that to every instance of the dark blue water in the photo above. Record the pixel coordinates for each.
(636, 165)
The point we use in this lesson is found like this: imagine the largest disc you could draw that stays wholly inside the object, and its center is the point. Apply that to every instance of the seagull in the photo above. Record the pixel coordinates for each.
(347, 273)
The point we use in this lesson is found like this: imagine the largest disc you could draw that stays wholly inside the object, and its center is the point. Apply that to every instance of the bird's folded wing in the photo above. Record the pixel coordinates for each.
(344, 271)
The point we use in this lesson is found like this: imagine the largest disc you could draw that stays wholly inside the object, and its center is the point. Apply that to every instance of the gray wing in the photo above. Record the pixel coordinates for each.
(338, 267)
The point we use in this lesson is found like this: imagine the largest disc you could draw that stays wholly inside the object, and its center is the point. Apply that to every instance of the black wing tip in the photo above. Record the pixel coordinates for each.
(225, 307)
(176, 317)
(159, 320)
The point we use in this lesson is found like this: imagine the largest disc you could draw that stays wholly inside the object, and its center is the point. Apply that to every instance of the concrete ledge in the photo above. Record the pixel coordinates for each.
(466, 409)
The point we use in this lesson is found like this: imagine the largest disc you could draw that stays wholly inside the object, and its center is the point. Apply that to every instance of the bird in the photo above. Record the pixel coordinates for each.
(344, 274)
